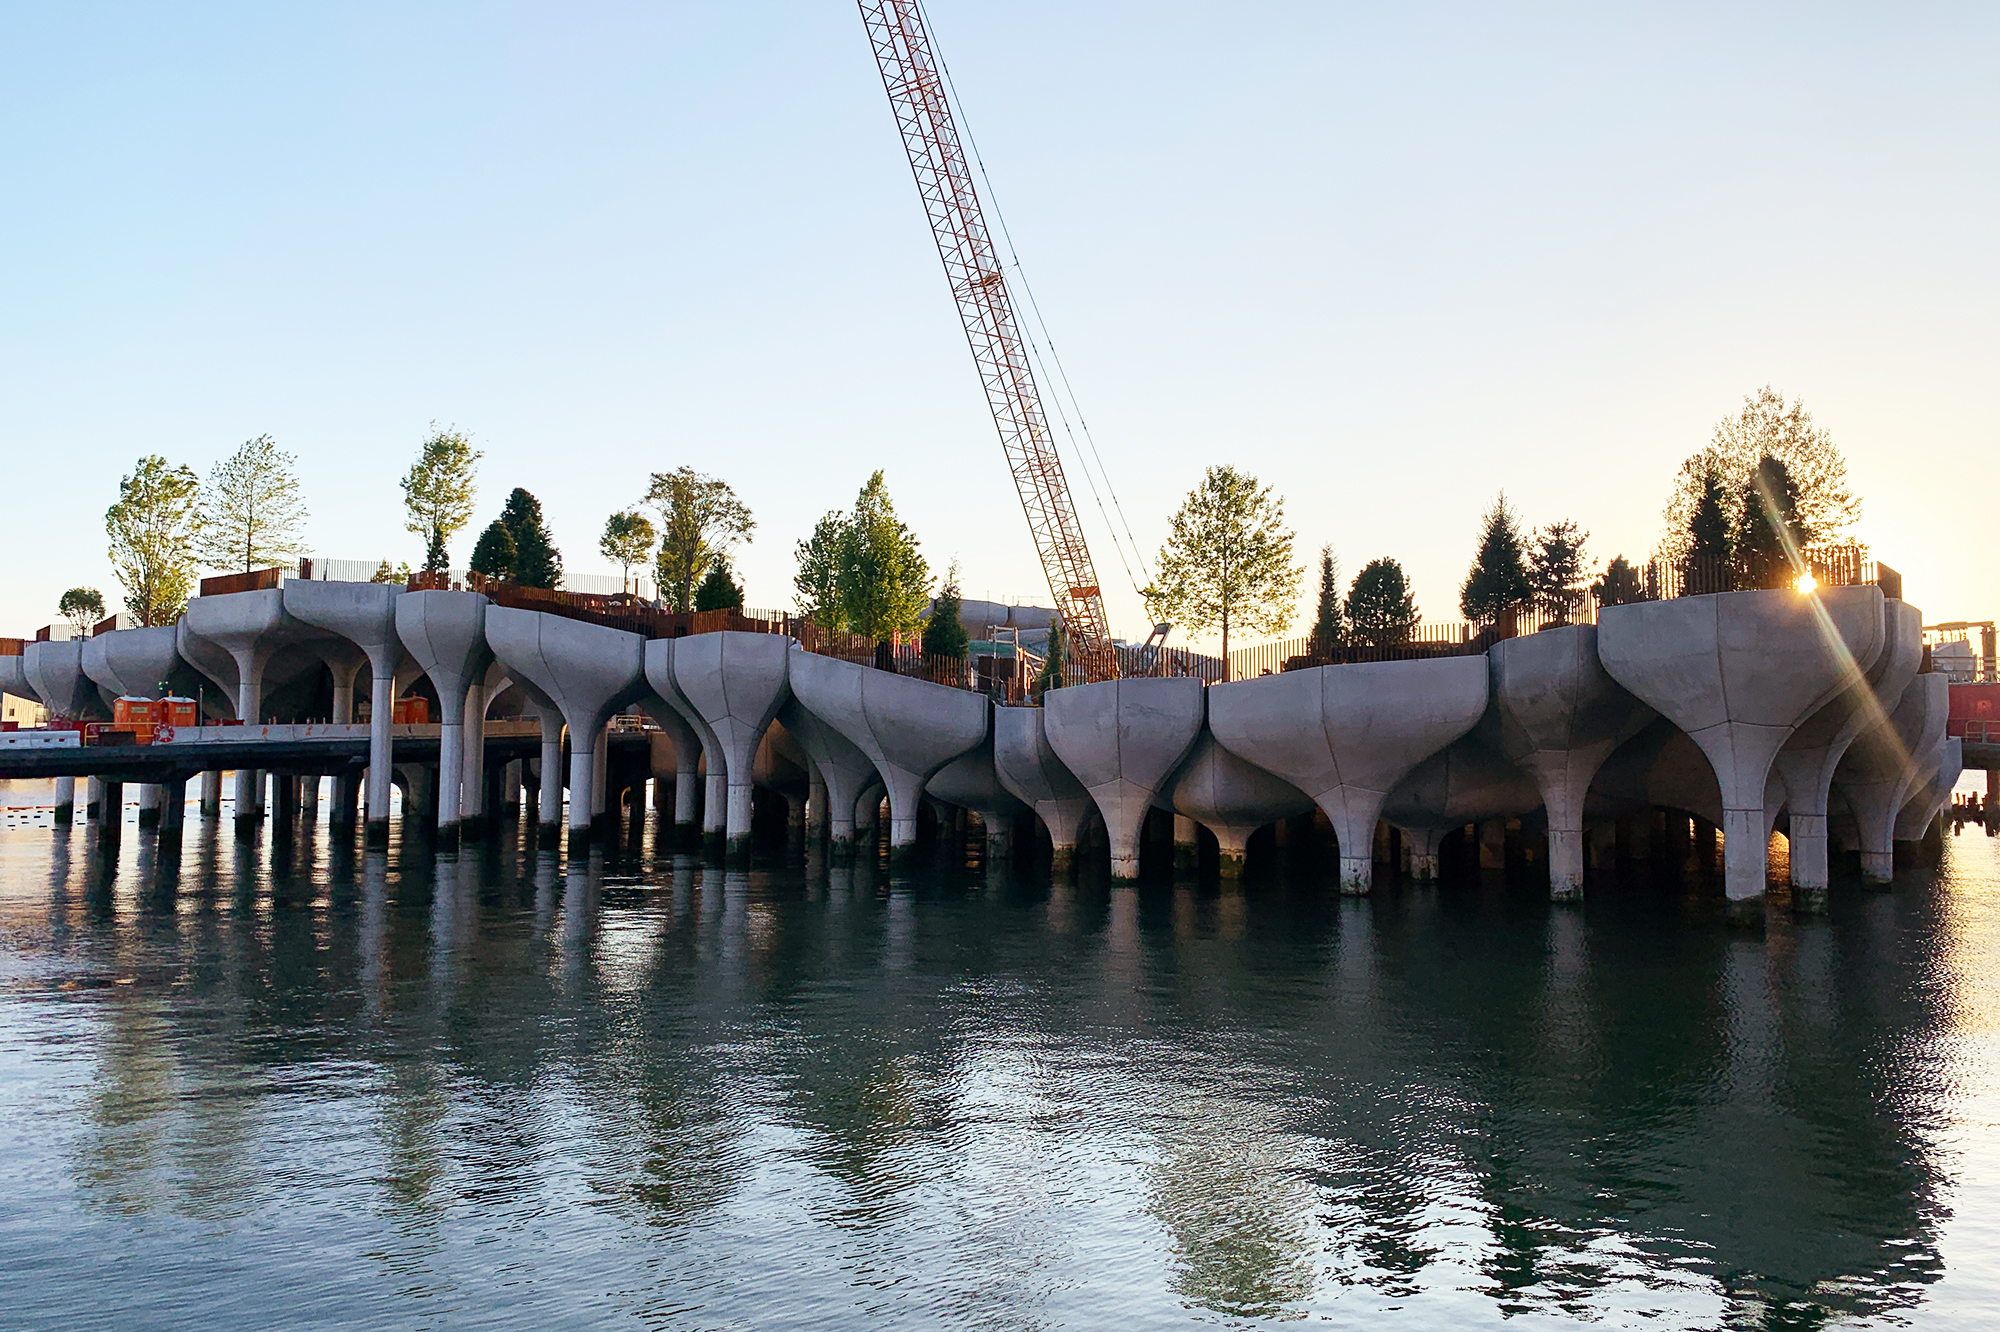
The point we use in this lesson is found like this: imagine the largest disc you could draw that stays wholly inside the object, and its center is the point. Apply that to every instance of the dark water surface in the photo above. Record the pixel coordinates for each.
(389, 1091)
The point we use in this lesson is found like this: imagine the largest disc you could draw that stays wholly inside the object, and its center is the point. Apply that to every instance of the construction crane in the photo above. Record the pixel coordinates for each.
(915, 83)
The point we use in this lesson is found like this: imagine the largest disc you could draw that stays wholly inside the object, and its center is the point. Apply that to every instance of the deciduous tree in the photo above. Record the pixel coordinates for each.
(152, 529)
(700, 518)
(885, 582)
(438, 492)
(1767, 426)
(628, 540)
(82, 607)
(252, 515)
(1227, 562)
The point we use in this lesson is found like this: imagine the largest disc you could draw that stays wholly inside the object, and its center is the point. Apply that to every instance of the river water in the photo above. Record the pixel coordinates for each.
(282, 1087)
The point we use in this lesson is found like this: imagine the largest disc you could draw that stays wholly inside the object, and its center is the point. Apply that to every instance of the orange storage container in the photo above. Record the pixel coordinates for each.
(411, 712)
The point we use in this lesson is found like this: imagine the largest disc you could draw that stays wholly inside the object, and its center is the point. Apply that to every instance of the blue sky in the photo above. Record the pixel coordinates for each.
(1389, 260)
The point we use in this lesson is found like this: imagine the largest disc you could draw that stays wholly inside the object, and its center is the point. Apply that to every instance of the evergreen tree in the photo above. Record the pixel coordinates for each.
(1381, 612)
(537, 562)
(944, 633)
(1620, 584)
(1767, 427)
(1497, 585)
(494, 555)
(1329, 624)
(1704, 566)
(1055, 661)
(1555, 570)
(1769, 533)
(718, 590)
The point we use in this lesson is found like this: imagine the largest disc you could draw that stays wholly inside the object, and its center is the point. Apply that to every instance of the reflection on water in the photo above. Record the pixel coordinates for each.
(279, 1081)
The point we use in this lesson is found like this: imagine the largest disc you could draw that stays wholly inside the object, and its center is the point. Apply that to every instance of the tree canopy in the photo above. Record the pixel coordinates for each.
(863, 572)
(1497, 585)
(719, 590)
(1620, 584)
(1227, 562)
(1766, 427)
(82, 607)
(627, 541)
(494, 554)
(1381, 612)
(537, 562)
(1556, 570)
(152, 529)
(438, 492)
(1769, 532)
(252, 514)
(700, 518)
(1329, 620)
(944, 632)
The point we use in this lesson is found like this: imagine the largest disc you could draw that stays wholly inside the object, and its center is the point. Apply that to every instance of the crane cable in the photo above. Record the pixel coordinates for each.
(1062, 374)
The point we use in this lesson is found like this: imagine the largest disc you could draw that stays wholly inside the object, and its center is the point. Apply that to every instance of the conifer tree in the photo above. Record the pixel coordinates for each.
(944, 633)
(1555, 570)
(537, 562)
(1381, 612)
(1329, 627)
(1769, 533)
(1497, 585)
(719, 589)
(1708, 547)
(494, 554)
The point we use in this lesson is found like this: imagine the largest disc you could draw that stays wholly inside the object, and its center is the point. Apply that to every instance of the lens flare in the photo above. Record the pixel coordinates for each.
(1807, 583)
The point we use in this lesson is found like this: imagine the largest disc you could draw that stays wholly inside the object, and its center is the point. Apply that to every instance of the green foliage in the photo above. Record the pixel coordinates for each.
(1380, 610)
(700, 519)
(944, 633)
(1620, 584)
(438, 491)
(718, 590)
(885, 583)
(1708, 528)
(816, 585)
(1227, 562)
(152, 529)
(1329, 621)
(628, 540)
(537, 562)
(251, 512)
(1769, 532)
(384, 574)
(1555, 570)
(1054, 664)
(82, 607)
(1766, 427)
(494, 554)
(1497, 585)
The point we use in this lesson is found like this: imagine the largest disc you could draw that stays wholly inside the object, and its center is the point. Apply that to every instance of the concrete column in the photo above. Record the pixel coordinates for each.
(211, 794)
(1124, 739)
(795, 818)
(1026, 764)
(381, 747)
(600, 775)
(1187, 847)
(842, 770)
(1423, 844)
(472, 799)
(582, 789)
(149, 805)
(309, 798)
(346, 798)
(816, 801)
(549, 795)
(510, 786)
(111, 819)
(1493, 844)
(173, 810)
(65, 800)
(93, 798)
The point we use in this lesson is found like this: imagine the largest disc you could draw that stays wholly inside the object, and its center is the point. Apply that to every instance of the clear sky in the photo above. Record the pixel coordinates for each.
(1388, 258)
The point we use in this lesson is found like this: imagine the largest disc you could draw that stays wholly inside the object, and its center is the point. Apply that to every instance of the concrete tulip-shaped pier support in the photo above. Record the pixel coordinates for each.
(715, 792)
(1561, 714)
(445, 635)
(687, 746)
(736, 682)
(14, 678)
(549, 789)
(1346, 735)
(364, 614)
(55, 672)
(970, 782)
(1886, 763)
(1928, 798)
(131, 662)
(1123, 739)
(1026, 764)
(908, 728)
(1467, 781)
(591, 672)
(843, 770)
(250, 627)
(1740, 672)
(1232, 799)
(1807, 762)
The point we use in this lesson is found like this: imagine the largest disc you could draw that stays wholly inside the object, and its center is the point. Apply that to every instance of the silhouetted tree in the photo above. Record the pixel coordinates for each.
(494, 555)
(1380, 610)
(537, 562)
(1497, 585)
(718, 590)
(1329, 622)
(1555, 570)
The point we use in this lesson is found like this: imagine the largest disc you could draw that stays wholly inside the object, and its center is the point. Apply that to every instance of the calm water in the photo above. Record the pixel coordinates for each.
(496, 1091)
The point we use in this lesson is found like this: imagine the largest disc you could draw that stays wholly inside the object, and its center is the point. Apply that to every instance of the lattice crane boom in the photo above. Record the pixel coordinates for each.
(915, 84)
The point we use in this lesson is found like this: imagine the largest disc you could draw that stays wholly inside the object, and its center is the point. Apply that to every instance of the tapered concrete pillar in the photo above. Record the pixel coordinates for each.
(1493, 844)
(1124, 740)
(867, 812)
(1346, 735)
(549, 793)
(816, 805)
(250, 627)
(54, 672)
(736, 682)
(65, 800)
(1026, 764)
(969, 782)
(600, 770)
(364, 614)
(590, 672)
(908, 728)
(1740, 672)
(1423, 843)
(1886, 762)
(444, 634)
(1806, 763)
(1231, 798)
(682, 720)
(479, 695)
(1561, 714)
(510, 786)
(844, 772)
(130, 663)
(1928, 799)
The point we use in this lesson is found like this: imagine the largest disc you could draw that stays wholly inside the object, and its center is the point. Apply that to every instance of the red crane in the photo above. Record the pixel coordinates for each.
(915, 83)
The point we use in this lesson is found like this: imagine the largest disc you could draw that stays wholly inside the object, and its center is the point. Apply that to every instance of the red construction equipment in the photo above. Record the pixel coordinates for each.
(914, 80)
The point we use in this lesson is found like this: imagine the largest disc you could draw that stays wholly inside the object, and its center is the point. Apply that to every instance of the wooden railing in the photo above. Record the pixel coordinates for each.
(256, 580)
(12, 647)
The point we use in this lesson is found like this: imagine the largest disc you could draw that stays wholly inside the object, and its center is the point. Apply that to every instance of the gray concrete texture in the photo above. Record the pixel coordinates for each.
(1026, 764)
(1124, 740)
